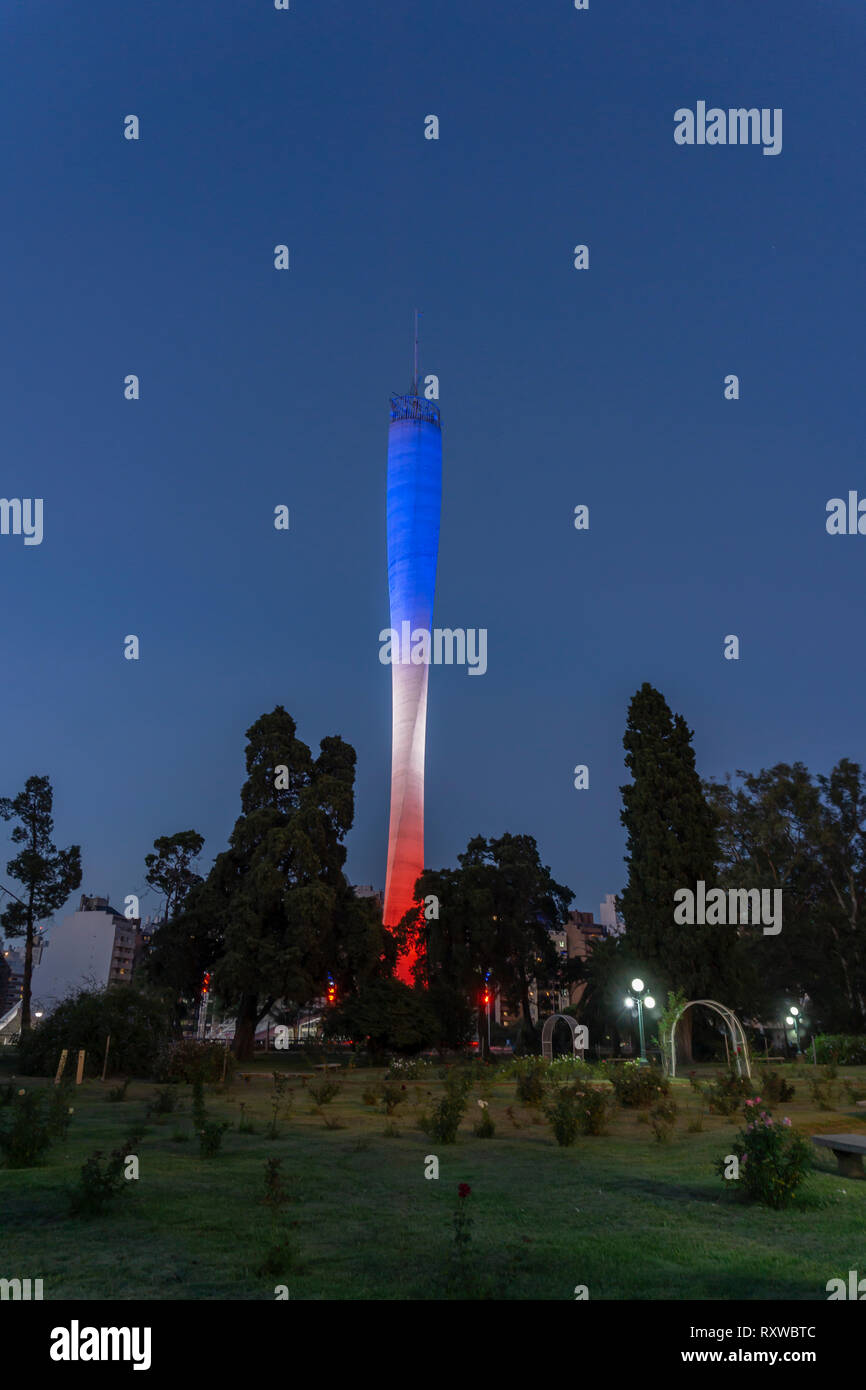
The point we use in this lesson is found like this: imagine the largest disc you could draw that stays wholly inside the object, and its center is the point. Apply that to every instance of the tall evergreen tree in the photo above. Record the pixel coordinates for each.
(277, 898)
(671, 844)
(48, 874)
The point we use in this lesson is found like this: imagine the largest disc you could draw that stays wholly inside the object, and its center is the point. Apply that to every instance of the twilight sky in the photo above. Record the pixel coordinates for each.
(558, 387)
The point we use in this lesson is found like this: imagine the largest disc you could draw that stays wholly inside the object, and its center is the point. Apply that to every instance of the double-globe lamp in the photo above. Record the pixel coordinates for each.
(638, 999)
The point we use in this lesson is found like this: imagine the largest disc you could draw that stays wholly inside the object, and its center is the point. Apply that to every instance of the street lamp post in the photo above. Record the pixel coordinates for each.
(637, 999)
(793, 1021)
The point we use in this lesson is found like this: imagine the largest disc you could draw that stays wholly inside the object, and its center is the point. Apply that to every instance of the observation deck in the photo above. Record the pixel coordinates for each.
(415, 408)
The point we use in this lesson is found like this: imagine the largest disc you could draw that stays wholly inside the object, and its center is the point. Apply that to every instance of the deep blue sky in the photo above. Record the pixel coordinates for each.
(557, 387)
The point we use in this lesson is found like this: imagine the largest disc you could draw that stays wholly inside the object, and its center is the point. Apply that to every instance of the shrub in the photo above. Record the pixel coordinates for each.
(442, 1121)
(593, 1109)
(245, 1126)
(138, 1022)
(845, 1049)
(462, 1224)
(370, 1095)
(531, 1075)
(393, 1094)
(279, 1257)
(210, 1137)
(409, 1069)
(726, 1094)
(275, 1193)
(775, 1087)
(118, 1093)
(59, 1111)
(324, 1091)
(562, 1110)
(637, 1085)
(570, 1069)
(823, 1091)
(663, 1118)
(31, 1129)
(774, 1158)
(458, 1083)
(281, 1103)
(163, 1102)
(485, 1127)
(100, 1183)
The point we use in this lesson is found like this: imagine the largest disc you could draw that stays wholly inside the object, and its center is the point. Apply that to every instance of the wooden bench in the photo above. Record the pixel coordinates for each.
(848, 1149)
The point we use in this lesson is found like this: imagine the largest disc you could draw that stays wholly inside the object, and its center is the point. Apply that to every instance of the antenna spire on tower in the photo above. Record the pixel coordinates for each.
(415, 373)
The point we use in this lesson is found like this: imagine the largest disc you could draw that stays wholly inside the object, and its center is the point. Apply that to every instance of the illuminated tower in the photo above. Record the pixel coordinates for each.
(414, 504)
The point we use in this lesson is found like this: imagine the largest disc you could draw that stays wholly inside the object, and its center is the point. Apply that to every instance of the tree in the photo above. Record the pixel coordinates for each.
(496, 913)
(676, 1002)
(606, 973)
(278, 898)
(387, 1014)
(136, 1021)
(48, 874)
(182, 949)
(782, 828)
(169, 869)
(671, 844)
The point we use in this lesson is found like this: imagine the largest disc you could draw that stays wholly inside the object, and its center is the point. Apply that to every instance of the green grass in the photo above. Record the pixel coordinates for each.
(626, 1216)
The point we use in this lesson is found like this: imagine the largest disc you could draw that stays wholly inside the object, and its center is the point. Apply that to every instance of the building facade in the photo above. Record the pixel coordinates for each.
(90, 949)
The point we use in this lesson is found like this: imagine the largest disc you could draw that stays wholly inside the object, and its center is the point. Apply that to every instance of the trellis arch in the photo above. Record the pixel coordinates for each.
(735, 1028)
(547, 1035)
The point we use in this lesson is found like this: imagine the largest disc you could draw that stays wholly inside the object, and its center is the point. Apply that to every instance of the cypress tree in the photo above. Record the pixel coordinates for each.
(671, 844)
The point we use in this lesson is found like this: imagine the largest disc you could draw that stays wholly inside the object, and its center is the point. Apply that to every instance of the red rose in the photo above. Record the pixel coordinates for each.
(464, 1189)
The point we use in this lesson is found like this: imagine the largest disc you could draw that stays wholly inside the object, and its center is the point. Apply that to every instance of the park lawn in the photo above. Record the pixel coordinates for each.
(620, 1213)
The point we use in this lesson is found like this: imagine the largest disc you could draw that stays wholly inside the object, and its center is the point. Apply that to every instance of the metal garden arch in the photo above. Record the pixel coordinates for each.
(735, 1028)
(577, 1032)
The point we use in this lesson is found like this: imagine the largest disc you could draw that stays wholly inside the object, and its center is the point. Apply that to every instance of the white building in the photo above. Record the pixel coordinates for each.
(609, 917)
(92, 948)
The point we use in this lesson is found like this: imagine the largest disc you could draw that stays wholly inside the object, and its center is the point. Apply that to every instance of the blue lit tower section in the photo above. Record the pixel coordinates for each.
(414, 505)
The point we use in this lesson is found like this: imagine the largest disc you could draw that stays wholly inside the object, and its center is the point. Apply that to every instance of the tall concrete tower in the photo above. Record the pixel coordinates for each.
(414, 505)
